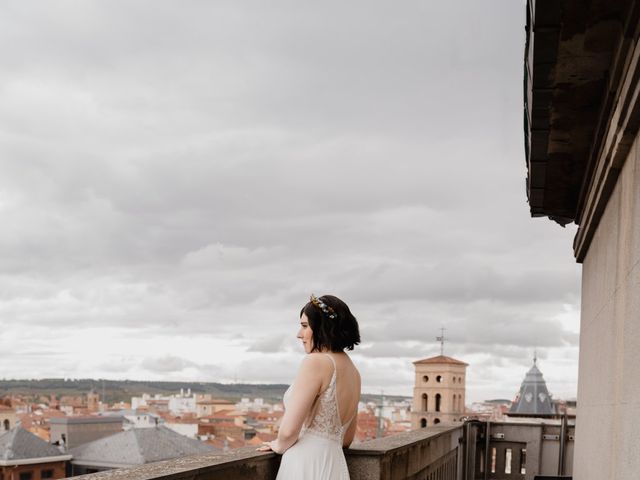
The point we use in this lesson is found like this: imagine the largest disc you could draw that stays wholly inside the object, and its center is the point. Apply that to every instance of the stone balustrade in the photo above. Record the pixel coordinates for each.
(432, 453)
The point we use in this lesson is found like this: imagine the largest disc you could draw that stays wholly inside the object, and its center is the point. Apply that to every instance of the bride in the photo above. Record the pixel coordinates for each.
(322, 403)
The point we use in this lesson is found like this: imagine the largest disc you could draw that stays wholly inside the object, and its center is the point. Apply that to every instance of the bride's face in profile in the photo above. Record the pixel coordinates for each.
(305, 334)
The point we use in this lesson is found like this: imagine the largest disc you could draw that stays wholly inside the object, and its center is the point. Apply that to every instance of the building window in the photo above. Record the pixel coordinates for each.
(493, 460)
(425, 378)
(46, 474)
(438, 398)
(436, 421)
(507, 461)
(26, 476)
(523, 461)
(7, 425)
(439, 379)
(423, 423)
(425, 402)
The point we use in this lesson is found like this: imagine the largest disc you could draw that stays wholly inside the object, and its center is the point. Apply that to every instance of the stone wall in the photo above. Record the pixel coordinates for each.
(413, 455)
(608, 416)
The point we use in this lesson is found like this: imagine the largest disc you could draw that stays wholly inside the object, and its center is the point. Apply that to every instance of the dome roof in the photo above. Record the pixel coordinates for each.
(533, 398)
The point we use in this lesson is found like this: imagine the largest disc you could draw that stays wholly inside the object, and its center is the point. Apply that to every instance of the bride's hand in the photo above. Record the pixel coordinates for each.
(266, 447)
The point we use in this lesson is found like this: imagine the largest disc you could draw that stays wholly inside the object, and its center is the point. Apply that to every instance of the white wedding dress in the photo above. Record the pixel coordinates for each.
(317, 455)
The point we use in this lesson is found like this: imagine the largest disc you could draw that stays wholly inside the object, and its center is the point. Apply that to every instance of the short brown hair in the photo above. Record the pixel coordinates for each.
(334, 334)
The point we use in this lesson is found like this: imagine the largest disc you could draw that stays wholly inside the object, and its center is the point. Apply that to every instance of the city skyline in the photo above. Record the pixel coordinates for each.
(179, 180)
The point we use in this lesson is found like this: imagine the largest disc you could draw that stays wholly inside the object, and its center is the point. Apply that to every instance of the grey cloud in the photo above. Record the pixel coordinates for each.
(395, 350)
(459, 280)
(205, 168)
(267, 345)
(166, 364)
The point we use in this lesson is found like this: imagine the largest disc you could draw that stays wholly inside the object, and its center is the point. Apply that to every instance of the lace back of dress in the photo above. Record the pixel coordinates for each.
(326, 418)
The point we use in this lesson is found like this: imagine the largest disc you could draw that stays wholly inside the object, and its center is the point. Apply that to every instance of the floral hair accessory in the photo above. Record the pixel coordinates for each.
(323, 306)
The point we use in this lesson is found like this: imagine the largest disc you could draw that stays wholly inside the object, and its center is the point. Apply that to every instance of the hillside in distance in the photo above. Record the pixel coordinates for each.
(123, 390)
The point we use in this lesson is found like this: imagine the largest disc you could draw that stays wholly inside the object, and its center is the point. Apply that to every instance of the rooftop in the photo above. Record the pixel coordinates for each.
(441, 359)
(18, 445)
(138, 446)
(533, 397)
(571, 62)
(85, 420)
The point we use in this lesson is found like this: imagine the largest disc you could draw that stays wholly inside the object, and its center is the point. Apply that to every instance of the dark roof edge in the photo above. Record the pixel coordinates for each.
(617, 128)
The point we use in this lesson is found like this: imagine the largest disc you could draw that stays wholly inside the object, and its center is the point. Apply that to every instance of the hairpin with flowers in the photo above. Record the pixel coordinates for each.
(323, 306)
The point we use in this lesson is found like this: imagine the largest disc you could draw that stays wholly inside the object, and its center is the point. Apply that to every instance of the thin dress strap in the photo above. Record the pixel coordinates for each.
(335, 369)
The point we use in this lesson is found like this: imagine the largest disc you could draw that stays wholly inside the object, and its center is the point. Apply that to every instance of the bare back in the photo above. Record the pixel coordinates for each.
(347, 390)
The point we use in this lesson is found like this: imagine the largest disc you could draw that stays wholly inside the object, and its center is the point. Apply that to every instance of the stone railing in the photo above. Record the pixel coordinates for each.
(432, 453)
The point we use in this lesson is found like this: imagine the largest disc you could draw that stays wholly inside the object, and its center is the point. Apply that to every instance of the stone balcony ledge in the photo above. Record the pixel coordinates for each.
(398, 457)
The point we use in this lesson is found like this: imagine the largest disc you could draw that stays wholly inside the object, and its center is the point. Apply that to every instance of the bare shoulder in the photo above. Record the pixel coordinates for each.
(316, 361)
(354, 371)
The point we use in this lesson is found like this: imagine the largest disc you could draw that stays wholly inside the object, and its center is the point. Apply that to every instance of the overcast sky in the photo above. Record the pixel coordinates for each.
(177, 177)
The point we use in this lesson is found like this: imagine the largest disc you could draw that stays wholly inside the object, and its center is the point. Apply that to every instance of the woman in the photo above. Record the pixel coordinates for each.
(322, 403)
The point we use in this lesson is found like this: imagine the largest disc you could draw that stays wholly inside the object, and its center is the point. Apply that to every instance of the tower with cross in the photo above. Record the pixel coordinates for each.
(441, 339)
(439, 390)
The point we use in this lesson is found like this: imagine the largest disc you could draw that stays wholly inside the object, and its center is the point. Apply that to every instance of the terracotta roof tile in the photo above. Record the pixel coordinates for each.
(441, 359)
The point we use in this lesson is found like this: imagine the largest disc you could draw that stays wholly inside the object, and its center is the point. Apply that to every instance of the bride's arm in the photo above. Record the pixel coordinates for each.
(304, 391)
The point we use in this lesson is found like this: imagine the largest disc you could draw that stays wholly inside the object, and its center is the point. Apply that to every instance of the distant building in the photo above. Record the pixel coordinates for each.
(489, 410)
(183, 403)
(439, 391)
(370, 426)
(187, 428)
(134, 418)
(73, 405)
(265, 422)
(93, 401)
(25, 456)
(74, 431)
(207, 405)
(255, 405)
(139, 402)
(134, 447)
(178, 404)
(8, 418)
(157, 404)
(533, 399)
(227, 424)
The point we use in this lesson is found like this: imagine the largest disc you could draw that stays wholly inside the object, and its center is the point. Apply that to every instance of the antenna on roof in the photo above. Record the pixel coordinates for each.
(535, 355)
(441, 339)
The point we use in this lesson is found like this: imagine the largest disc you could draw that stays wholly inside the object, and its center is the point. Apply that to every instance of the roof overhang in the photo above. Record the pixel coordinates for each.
(101, 464)
(33, 461)
(580, 109)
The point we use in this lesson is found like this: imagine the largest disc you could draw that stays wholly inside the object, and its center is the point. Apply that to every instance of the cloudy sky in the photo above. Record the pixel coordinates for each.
(177, 177)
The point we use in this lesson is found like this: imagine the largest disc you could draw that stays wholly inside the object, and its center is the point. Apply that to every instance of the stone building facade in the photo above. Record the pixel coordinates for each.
(582, 122)
(439, 391)
(74, 431)
(8, 418)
